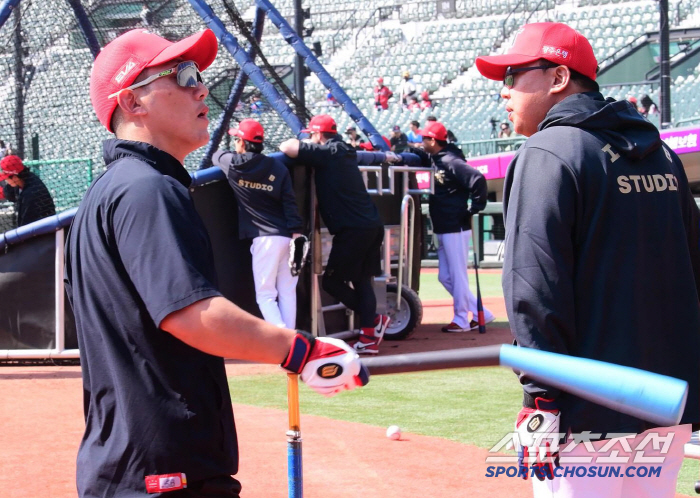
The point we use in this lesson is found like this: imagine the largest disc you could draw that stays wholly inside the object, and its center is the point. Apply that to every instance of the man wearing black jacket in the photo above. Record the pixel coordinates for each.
(602, 261)
(26, 190)
(353, 220)
(267, 213)
(455, 183)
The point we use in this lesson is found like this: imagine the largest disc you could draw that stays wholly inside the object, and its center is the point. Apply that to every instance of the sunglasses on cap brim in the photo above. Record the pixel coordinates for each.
(187, 73)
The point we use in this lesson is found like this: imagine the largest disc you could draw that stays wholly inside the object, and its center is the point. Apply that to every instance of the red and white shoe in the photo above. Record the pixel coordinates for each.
(381, 323)
(366, 345)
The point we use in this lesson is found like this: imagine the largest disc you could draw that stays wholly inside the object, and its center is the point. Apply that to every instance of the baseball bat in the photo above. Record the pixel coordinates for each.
(295, 481)
(645, 395)
(479, 304)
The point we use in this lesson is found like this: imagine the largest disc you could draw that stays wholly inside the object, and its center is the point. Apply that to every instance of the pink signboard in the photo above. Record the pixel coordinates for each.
(682, 140)
(492, 166)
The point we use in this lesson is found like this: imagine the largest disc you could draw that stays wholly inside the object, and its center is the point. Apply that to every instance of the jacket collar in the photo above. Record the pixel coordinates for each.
(159, 160)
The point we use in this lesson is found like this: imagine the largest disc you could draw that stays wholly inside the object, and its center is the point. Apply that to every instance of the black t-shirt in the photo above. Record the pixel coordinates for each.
(342, 196)
(399, 143)
(136, 252)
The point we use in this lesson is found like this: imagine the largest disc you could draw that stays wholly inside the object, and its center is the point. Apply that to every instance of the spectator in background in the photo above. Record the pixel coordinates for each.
(353, 138)
(256, 104)
(413, 104)
(330, 100)
(647, 106)
(31, 197)
(413, 136)
(408, 88)
(399, 140)
(382, 94)
(4, 149)
(633, 101)
(451, 138)
(146, 16)
(425, 103)
(505, 131)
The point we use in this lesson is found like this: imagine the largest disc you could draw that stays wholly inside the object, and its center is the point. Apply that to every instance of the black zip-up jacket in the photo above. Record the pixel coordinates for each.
(263, 188)
(33, 201)
(602, 254)
(342, 196)
(455, 183)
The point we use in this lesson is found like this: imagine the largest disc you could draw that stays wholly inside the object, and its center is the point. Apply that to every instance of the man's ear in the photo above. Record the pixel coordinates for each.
(130, 104)
(562, 78)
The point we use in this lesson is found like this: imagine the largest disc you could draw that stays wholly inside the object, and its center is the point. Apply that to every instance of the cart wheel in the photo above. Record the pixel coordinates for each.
(403, 321)
(697, 487)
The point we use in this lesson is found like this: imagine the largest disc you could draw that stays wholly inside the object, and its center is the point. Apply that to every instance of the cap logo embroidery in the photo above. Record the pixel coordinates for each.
(125, 70)
(559, 52)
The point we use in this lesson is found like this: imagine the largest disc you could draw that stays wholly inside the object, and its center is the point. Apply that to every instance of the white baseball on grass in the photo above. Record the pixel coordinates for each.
(393, 432)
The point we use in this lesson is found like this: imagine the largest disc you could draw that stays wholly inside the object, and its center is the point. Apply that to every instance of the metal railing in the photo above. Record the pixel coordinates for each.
(408, 223)
(477, 148)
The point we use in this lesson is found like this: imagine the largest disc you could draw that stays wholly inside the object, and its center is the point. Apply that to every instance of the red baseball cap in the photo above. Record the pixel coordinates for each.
(553, 41)
(322, 123)
(433, 129)
(10, 166)
(380, 80)
(122, 60)
(249, 130)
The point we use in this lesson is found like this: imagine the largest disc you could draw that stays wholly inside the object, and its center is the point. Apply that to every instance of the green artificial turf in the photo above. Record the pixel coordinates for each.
(452, 404)
(430, 288)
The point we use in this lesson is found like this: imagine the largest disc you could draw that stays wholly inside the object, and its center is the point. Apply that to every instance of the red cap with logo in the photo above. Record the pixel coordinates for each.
(10, 166)
(249, 130)
(555, 42)
(433, 129)
(122, 60)
(322, 123)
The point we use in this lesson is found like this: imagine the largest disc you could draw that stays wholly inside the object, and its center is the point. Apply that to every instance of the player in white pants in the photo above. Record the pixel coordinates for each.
(453, 250)
(456, 184)
(267, 213)
(275, 287)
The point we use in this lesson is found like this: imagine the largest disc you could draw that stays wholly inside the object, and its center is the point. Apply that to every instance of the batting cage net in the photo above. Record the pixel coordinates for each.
(46, 117)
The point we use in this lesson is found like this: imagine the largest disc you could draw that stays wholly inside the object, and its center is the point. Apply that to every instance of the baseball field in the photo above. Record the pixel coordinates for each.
(449, 419)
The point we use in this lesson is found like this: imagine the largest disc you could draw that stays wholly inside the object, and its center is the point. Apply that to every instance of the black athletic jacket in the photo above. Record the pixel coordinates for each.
(602, 255)
(263, 188)
(342, 196)
(33, 202)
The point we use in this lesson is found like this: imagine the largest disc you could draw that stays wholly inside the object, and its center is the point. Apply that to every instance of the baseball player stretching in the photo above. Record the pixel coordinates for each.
(153, 330)
(352, 218)
(602, 261)
(267, 213)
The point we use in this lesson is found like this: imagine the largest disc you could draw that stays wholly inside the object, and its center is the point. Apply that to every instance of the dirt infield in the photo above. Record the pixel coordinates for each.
(42, 423)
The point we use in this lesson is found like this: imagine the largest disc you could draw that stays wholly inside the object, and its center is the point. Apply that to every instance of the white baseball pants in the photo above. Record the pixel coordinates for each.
(275, 287)
(453, 251)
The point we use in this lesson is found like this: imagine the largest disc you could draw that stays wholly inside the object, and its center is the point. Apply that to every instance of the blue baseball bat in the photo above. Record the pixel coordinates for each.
(646, 395)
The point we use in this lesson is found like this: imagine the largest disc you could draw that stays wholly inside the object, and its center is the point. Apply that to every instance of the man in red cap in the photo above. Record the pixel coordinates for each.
(267, 214)
(352, 219)
(382, 94)
(153, 329)
(602, 252)
(455, 184)
(21, 186)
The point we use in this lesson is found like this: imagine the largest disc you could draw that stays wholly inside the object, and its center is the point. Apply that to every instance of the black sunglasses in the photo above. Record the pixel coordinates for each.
(509, 78)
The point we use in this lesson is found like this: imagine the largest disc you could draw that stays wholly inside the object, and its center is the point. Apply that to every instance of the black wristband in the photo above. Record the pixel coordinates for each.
(299, 353)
